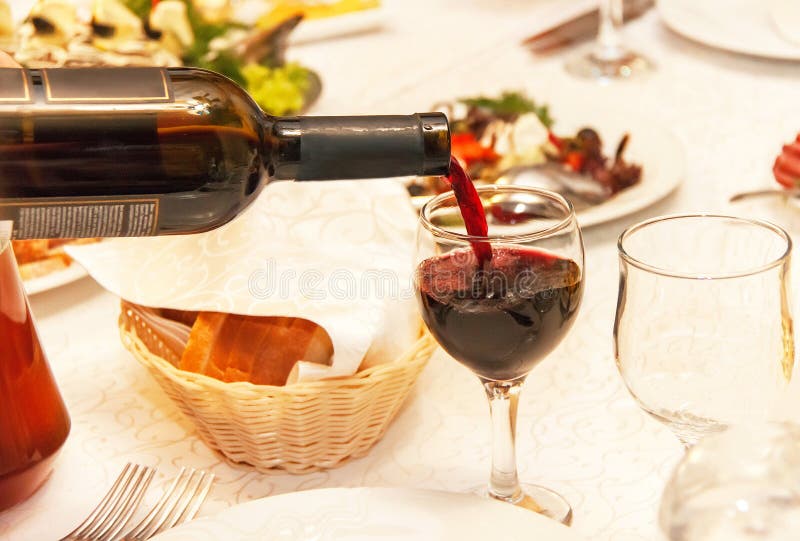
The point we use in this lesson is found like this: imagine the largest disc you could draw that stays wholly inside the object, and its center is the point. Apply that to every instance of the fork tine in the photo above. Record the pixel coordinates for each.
(178, 504)
(107, 507)
(199, 498)
(132, 504)
(167, 512)
(117, 512)
(100, 509)
(156, 516)
(201, 487)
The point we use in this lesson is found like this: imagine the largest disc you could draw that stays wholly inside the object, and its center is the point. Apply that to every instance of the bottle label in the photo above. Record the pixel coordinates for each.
(106, 85)
(14, 86)
(58, 219)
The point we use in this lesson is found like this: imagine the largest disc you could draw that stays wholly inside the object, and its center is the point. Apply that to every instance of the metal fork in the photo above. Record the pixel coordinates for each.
(117, 506)
(179, 503)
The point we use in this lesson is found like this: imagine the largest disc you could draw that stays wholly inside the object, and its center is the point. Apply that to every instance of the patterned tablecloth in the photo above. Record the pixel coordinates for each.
(579, 431)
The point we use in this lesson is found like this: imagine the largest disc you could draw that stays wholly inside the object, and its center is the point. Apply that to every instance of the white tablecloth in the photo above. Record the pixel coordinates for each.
(579, 431)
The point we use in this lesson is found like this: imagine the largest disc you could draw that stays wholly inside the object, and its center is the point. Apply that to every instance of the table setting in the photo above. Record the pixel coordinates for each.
(310, 363)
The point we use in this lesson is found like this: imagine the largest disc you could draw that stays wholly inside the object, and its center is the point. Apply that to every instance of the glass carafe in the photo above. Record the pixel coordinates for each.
(33, 419)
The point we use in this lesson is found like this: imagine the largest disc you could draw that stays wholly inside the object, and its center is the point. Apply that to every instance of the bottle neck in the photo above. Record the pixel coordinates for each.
(356, 147)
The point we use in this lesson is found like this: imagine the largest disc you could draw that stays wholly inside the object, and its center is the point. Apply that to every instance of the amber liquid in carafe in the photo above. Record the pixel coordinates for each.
(33, 419)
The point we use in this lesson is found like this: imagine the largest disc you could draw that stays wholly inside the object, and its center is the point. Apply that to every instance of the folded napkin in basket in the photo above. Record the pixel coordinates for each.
(338, 254)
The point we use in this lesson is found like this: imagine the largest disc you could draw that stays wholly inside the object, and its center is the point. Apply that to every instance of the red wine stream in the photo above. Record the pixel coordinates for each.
(469, 202)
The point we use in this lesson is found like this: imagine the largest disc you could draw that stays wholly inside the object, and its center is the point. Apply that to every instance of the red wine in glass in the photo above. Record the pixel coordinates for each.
(502, 321)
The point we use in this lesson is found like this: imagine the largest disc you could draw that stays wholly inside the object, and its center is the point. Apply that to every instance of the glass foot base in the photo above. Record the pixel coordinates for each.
(590, 66)
(539, 500)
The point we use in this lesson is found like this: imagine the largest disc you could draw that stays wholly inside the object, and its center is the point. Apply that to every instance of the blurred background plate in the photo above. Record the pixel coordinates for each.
(739, 26)
(373, 513)
(73, 273)
(311, 30)
(652, 145)
(341, 25)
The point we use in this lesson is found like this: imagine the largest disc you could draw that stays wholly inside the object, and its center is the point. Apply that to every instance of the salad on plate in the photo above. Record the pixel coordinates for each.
(505, 138)
(199, 33)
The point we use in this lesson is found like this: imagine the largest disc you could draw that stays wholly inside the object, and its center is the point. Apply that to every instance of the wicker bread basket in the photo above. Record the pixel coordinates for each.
(298, 428)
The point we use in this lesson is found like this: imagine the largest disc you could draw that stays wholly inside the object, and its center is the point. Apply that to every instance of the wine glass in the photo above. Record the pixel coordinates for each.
(703, 332)
(608, 57)
(503, 317)
(738, 484)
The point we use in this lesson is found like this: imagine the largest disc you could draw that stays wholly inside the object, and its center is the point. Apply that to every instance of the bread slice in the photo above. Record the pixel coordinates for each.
(27, 251)
(37, 258)
(43, 267)
(261, 350)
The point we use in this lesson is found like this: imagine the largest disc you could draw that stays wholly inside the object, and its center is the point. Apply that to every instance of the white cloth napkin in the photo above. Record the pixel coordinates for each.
(339, 254)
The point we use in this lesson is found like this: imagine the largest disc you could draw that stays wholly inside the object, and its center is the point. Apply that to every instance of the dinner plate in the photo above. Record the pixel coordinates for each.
(360, 514)
(340, 25)
(651, 144)
(72, 273)
(739, 26)
(312, 30)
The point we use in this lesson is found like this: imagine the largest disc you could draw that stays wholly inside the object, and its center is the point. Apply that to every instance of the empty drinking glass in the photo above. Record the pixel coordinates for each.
(608, 57)
(703, 332)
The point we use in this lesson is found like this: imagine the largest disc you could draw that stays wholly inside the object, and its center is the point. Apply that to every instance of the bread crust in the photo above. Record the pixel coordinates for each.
(261, 350)
(40, 257)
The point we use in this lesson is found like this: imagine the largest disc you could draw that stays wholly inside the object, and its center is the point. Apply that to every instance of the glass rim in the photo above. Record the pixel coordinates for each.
(764, 224)
(503, 188)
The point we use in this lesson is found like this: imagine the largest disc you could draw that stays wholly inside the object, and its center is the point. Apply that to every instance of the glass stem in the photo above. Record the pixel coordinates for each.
(608, 46)
(503, 400)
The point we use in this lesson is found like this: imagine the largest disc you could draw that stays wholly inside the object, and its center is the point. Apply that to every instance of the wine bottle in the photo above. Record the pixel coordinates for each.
(112, 152)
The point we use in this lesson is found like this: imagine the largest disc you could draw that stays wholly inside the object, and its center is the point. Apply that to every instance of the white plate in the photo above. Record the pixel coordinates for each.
(56, 279)
(356, 22)
(651, 145)
(739, 26)
(360, 514)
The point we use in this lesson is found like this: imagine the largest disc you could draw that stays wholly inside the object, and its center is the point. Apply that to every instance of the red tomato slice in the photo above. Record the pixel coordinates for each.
(787, 165)
(785, 180)
(469, 150)
(793, 149)
(575, 161)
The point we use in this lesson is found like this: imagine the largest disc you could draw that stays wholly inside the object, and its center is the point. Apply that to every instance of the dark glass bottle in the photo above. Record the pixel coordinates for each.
(104, 152)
